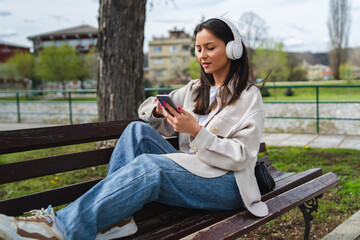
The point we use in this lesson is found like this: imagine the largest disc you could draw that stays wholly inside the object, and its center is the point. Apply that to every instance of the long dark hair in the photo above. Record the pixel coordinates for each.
(239, 71)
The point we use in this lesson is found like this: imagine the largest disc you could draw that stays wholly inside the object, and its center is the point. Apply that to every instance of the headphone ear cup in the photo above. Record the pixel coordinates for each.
(238, 51)
(229, 50)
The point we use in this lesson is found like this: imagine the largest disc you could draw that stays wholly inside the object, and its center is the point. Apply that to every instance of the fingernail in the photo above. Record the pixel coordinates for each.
(161, 107)
(155, 99)
(164, 103)
(179, 108)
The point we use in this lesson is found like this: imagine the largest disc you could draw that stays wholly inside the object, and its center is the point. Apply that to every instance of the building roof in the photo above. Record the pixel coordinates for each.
(82, 29)
(13, 44)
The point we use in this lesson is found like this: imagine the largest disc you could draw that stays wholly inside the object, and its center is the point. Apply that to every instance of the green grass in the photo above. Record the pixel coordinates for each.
(309, 94)
(345, 163)
(337, 204)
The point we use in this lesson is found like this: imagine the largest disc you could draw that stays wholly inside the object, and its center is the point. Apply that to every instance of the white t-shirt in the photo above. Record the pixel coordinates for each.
(213, 91)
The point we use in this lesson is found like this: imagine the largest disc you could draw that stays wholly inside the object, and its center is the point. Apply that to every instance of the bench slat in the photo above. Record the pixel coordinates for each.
(39, 138)
(241, 223)
(55, 197)
(292, 181)
(40, 167)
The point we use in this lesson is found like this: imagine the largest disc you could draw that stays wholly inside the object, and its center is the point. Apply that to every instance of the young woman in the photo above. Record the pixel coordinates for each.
(219, 123)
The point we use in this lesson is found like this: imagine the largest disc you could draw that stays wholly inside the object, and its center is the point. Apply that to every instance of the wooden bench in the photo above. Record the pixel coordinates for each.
(155, 221)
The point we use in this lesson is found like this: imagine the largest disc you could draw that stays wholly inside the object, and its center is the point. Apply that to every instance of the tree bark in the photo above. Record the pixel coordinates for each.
(120, 43)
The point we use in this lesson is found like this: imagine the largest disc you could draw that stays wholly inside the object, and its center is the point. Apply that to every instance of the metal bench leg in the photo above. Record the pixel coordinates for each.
(307, 209)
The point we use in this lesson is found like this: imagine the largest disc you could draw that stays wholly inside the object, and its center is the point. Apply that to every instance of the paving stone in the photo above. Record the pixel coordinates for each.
(352, 142)
(275, 138)
(298, 140)
(327, 141)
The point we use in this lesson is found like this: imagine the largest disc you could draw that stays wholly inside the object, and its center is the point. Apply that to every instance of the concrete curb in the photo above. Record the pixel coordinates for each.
(348, 230)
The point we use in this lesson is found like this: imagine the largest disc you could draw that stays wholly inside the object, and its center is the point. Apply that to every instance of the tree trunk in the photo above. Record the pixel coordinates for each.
(251, 65)
(335, 62)
(120, 44)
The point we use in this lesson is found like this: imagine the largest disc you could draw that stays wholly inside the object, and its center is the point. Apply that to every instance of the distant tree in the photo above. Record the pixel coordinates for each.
(194, 68)
(20, 67)
(58, 64)
(148, 84)
(88, 68)
(120, 45)
(339, 30)
(355, 57)
(91, 64)
(254, 30)
(270, 57)
(347, 71)
(298, 74)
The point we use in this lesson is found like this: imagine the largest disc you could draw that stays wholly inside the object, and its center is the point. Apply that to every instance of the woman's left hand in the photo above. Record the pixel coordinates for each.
(182, 121)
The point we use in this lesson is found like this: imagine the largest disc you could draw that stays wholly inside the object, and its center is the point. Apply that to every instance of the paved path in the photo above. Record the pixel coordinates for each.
(277, 139)
(312, 140)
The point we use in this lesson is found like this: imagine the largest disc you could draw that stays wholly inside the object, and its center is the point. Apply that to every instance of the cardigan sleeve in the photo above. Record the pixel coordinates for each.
(146, 109)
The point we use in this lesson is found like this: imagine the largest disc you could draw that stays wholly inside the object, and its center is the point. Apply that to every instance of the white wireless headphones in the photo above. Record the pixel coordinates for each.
(234, 48)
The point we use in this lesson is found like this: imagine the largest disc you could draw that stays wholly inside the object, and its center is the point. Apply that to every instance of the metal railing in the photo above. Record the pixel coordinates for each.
(69, 94)
(68, 99)
(316, 101)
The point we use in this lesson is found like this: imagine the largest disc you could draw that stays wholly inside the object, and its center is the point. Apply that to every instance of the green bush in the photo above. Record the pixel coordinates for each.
(265, 92)
(289, 92)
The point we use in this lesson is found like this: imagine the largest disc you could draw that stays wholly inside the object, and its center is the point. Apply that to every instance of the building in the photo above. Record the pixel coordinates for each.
(317, 71)
(82, 38)
(169, 57)
(8, 49)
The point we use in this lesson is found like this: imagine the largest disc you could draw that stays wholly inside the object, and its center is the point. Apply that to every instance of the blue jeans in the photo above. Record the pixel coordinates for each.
(138, 173)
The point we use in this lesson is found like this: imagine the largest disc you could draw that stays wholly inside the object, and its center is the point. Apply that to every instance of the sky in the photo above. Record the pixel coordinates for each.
(300, 24)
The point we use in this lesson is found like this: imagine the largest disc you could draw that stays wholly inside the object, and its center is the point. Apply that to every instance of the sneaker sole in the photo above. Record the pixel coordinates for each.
(127, 230)
(7, 234)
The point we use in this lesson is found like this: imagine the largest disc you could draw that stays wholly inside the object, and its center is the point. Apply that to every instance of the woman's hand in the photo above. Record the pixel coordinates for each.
(182, 121)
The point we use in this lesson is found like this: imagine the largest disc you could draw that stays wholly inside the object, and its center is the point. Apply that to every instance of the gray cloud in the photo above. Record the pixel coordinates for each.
(176, 21)
(5, 35)
(299, 28)
(5, 13)
(29, 20)
(60, 18)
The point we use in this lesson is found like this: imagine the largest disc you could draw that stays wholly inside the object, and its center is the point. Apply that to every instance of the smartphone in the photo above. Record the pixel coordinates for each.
(166, 98)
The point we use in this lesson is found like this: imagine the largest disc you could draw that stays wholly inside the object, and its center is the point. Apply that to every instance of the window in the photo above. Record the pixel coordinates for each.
(173, 48)
(159, 73)
(185, 48)
(174, 60)
(157, 49)
(158, 61)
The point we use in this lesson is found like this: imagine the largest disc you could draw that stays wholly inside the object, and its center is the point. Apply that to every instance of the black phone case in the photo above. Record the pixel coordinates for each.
(168, 100)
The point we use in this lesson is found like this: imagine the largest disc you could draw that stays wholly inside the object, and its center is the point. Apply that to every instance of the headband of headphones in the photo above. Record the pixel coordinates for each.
(234, 48)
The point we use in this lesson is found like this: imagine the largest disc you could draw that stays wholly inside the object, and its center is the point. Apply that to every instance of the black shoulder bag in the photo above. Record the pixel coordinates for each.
(265, 181)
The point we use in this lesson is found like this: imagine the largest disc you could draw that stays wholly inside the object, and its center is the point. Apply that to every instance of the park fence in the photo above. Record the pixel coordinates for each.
(318, 113)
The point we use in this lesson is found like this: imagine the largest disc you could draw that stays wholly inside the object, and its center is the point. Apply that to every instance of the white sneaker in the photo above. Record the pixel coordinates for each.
(41, 225)
(121, 229)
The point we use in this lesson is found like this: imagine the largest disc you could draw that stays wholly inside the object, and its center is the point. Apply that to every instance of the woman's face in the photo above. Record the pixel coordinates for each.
(211, 54)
